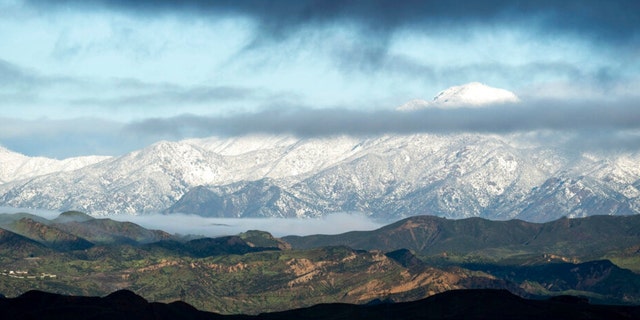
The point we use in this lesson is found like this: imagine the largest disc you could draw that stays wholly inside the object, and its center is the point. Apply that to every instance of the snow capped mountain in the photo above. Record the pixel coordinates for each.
(389, 176)
(453, 175)
(470, 95)
(137, 182)
(154, 178)
(474, 94)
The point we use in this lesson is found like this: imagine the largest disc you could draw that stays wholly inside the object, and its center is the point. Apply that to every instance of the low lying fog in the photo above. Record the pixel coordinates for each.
(191, 224)
(185, 224)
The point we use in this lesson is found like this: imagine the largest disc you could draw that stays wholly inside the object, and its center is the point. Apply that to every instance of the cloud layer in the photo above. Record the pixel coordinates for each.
(214, 227)
(506, 118)
(609, 124)
(184, 224)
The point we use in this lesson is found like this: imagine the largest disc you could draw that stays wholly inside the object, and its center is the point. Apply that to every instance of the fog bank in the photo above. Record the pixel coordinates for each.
(214, 227)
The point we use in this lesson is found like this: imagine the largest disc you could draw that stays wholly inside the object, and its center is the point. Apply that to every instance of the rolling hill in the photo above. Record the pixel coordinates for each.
(253, 272)
(579, 239)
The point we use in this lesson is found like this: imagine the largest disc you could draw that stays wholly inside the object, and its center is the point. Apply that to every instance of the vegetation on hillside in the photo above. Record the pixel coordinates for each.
(255, 272)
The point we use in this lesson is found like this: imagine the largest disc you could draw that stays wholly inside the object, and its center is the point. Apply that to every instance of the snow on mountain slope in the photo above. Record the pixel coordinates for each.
(286, 158)
(394, 175)
(137, 182)
(234, 146)
(453, 176)
(16, 166)
(154, 178)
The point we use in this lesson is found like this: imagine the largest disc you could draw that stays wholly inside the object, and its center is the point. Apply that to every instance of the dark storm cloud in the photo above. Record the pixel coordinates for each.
(543, 115)
(604, 20)
(609, 23)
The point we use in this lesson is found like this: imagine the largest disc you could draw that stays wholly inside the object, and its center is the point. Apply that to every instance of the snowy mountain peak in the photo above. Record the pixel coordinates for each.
(474, 94)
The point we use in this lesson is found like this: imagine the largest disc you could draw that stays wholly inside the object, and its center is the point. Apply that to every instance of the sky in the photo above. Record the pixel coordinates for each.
(108, 77)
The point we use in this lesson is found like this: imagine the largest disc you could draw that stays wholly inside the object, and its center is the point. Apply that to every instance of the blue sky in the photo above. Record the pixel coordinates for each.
(107, 77)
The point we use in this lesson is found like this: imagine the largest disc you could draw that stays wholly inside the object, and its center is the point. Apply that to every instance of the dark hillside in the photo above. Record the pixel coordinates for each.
(107, 231)
(584, 238)
(15, 246)
(456, 304)
(49, 235)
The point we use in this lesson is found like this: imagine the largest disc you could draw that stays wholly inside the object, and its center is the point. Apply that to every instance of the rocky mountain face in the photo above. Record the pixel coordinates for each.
(386, 176)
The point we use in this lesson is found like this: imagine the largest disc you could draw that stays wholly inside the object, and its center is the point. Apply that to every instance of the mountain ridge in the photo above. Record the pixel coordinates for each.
(585, 238)
(387, 176)
(16, 166)
(454, 176)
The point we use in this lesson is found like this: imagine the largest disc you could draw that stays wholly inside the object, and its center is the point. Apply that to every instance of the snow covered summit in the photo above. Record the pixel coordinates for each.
(472, 94)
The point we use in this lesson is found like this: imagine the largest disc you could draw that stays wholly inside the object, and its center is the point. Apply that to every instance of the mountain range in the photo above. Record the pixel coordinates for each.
(386, 176)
